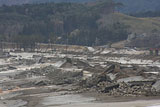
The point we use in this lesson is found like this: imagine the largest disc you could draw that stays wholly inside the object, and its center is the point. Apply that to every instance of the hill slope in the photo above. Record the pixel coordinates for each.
(144, 31)
(134, 6)
(137, 25)
(71, 23)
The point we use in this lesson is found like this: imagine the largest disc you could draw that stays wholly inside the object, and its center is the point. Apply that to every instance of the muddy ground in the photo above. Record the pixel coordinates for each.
(97, 78)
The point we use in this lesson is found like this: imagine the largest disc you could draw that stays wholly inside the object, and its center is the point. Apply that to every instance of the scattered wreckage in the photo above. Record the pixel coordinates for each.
(114, 79)
(119, 81)
(96, 71)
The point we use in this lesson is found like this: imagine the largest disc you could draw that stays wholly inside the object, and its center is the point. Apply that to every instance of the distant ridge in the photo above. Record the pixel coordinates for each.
(19, 2)
(130, 6)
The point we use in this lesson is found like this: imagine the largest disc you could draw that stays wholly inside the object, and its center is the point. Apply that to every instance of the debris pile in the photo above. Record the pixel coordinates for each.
(58, 77)
(123, 81)
(53, 76)
(114, 79)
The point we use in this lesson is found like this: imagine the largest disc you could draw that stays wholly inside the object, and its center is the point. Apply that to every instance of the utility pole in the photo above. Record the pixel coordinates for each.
(66, 44)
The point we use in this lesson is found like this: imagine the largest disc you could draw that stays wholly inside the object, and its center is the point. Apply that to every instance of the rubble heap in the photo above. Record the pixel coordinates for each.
(117, 80)
(53, 76)
(114, 79)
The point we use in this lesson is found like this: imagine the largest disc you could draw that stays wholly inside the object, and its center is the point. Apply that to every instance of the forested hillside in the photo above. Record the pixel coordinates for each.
(130, 6)
(61, 23)
(18, 2)
(93, 23)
